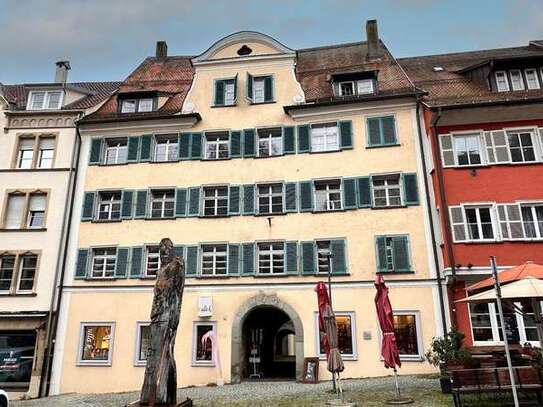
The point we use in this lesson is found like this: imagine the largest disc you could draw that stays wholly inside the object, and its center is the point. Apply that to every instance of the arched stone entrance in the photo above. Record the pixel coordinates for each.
(259, 301)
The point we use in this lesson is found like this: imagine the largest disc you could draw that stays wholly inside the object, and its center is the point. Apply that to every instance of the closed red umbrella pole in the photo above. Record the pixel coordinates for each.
(323, 303)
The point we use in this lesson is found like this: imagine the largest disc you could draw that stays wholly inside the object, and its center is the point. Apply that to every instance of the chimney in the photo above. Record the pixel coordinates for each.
(161, 50)
(372, 36)
(61, 74)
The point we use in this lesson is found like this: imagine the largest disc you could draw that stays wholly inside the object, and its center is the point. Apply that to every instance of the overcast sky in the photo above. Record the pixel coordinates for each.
(106, 39)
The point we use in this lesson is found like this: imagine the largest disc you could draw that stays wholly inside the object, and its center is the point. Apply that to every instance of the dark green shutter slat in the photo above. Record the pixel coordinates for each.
(87, 212)
(249, 143)
(179, 251)
(290, 197)
(349, 193)
(95, 151)
(219, 93)
(339, 259)
(234, 199)
(291, 263)
(184, 146)
(374, 131)
(145, 147)
(381, 253)
(141, 204)
(400, 247)
(346, 132)
(121, 266)
(248, 199)
(364, 192)
(196, 146)
(180, 202)
(191, 262)
(308, 257)
(306, 196)
(133, 148)
(388, 130)
(248, 259)
(194, 201)
(136, 262)
(268, 89)
(235, 144)
(233, 259)
(249, 86)
(410, 188)
(236, 88)
(289, 142)
(82, 262)
(127, 204)
(303, 139)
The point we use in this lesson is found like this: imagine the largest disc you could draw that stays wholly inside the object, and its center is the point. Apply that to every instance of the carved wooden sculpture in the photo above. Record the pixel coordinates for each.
(160, 381)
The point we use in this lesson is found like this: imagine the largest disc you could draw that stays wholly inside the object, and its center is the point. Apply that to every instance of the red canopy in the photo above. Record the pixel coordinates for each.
(528, 269)
(324, 302)
(389, 348)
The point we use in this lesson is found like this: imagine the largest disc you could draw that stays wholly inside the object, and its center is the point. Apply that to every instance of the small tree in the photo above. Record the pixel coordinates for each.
(446, 349)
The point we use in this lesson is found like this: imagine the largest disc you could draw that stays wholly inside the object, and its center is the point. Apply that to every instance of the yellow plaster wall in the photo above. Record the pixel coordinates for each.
(231, 51)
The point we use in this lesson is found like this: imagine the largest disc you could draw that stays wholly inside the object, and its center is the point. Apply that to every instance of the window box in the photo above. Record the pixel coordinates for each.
(96, 344)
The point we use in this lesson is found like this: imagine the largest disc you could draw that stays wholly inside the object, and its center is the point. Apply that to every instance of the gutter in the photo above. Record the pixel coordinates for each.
(116, 119)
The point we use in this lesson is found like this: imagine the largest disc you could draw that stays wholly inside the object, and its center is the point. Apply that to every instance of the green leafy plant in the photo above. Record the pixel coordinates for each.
(448, 349)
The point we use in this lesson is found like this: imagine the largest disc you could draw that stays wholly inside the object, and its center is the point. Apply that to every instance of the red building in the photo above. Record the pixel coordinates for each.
(483, 121)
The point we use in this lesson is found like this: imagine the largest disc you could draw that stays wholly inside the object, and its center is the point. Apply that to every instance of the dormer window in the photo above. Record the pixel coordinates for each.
(532, 81)
(44, 100)
(518, 79)
(354, 87)
(346, 88)
(501, 81)
(137, 105)
(517, 83)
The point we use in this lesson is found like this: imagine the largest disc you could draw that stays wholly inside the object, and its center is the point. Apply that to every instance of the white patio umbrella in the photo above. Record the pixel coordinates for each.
(529, 287)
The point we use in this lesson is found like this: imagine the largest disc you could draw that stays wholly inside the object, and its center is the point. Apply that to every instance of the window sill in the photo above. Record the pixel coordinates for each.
(115, 165)
(93, 364)
(388, 207)
(216, 159)
(269, 215)
(259, 157)
(331, 210)
(214, 216)
(162, 162)
(140, 363)
(202, 364)
(349, 358)
(24, 230)
(262, 103)
(322, 152)
(101, 278)
(106, 220)
(5, 294)
(411, 358)
(281, 275)
(384, 145)
(222, 277)
(393, 273)
(219, 106)
(162, 218)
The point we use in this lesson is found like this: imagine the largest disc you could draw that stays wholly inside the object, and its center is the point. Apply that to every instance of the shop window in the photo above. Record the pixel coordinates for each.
(96, 343)
(202, 351)
(143, 332)
(346, 335)
(407, 331)
(16, 358)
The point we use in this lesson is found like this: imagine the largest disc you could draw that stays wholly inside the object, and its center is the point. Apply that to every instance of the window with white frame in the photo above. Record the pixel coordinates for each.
(137, 105)
(521, 146)
(44, 100)
(152, 261)
(517, 82)
(166, 148)
(96, 343)
(532, 221)
(271, 258)
(202, 351)
(103, 262)
(346, 88)
(129, 106)
(364, 86)
(116, 151)
(15, 211)
(109, 205)
(407, 331)
(259, 89)
(215, 201)
(270, 198)
(46, 152)
(36, 211)
(28, 264)
(145, 105)
(214, 260)
(270, 142)
(328, 195)
(324, 137)
(25, 156)
(479, 222)
(346, 335)
(7, 270)
(468, 149)
(162, 203)
(225, 92)
(386, 190)
(352, 88)
(323, 260)
(35, 152)
(532, 80)
(502, 83)
(143, 341)
(217, 145)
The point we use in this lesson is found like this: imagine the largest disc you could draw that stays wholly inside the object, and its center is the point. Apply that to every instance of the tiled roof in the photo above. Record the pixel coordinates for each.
(96, 92)
(451, 87)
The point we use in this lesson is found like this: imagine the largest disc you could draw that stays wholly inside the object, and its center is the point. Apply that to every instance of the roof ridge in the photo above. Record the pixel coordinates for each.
(332, 46)
(461, 53)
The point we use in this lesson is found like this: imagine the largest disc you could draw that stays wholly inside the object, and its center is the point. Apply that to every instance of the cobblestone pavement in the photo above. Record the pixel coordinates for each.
(258, 392)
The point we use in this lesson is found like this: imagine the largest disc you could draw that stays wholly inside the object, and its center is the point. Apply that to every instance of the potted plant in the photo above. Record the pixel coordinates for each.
(447, 354)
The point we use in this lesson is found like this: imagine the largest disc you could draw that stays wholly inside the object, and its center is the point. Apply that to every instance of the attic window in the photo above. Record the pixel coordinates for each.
(438, 69)
(244, 50)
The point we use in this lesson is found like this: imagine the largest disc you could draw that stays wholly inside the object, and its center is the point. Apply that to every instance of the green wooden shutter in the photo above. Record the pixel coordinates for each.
(291, 263)
(304, 145)
(248, 199)
(234, 199)
(364, 192)
(194, 201)
(233, 259)
(235, 89)
(127, 204)
(306, 196)
(388, 130)
(374, 131)
(349, 193)
(248, 259)
(381, 253)
(410, 189)
(219, 93)
(400, 246)
(141, 204)
(180, 202)
(136, 262)
(196, 146)
(346, 133)
(191, 262)
(289, 142)
(290, 197)
(249, 143)
(87, 212)
(179, 251)
(145, 147)
(339, 259)
(308, 258)
(268, 89)
(95, 151)
(81, 267)
(184, 146)
(249, 84)
(121, 265)
(235, 144)
(133, 148)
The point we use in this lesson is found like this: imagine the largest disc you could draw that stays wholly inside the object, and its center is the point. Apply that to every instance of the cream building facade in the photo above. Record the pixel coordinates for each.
(257, 161)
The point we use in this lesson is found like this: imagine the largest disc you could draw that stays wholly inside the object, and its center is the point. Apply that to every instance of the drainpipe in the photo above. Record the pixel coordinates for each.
(52, 321)
(431, 220)
(444, 209)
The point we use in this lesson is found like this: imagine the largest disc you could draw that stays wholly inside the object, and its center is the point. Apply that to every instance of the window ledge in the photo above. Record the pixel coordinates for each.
(93, 364)
(216, 159)
(107, 220)
(211, 277)
(140, 363)
(18, 294)
(116, 165)
(24, 230)
(262, 103)
(269, 215)
(389, 207)
(348, 358)
(215, 216)
(219, 106)
(102, 278)
(393, 273)
(203, 364)
(261, 157)
(323, 152)
(384, 145)
(414, 358)
(332, 210)
(162, 162)
(164, 218)
(280, 275)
